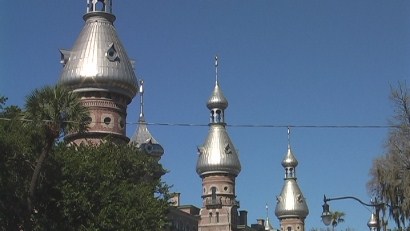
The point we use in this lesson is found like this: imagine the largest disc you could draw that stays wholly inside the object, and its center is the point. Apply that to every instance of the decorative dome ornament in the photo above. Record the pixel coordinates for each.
(217, 99)
(290, 160)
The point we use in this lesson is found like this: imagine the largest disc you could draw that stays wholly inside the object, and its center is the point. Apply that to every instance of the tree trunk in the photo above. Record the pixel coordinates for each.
(33, 183)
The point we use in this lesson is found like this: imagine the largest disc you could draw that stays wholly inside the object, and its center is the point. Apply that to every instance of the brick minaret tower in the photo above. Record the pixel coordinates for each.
(98, 68)
(291, 208)
(218, 166)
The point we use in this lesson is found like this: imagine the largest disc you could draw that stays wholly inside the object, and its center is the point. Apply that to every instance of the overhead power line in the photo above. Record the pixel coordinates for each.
(246, 125)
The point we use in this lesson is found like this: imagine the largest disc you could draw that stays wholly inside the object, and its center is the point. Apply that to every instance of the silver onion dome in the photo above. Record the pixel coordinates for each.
(145, 142)
(217, 99)
(290, 159)
(98, 61)
(372, 223)
(142, 138)
(218, 155)
(290, 202)
(268, 225)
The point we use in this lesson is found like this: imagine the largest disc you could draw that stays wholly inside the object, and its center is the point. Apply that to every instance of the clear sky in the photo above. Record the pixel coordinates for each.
(281, 63)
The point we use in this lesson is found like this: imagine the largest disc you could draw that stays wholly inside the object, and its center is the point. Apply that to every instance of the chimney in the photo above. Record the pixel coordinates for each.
(261, 222)
(243, 217)
(175, 199)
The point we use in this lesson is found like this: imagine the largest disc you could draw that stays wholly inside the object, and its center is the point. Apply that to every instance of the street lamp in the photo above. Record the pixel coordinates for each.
(373, 223)
(326, 215)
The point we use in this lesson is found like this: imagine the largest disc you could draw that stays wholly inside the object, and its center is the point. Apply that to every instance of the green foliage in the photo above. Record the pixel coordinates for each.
(50, 111)
(16, 167)
(110, 187)
(337, 218)
(3, 100)
(106, 187)
(390, 173)
(55, 110)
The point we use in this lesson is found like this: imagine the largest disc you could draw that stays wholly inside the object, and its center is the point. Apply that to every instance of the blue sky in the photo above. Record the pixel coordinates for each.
(280, 63)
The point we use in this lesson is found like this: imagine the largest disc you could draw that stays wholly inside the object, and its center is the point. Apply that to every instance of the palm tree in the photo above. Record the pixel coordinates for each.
(337, 217)
(53, 112)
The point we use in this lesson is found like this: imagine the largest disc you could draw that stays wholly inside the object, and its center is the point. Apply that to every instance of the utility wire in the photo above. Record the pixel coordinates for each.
(242, 125)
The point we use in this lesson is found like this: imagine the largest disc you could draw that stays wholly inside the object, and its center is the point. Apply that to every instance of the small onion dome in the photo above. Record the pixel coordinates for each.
(291, 203)
(145, 142)
(218, 155)
(98, 61)
(217, 99)
(268, 225)
(289, 160)
(372, 222)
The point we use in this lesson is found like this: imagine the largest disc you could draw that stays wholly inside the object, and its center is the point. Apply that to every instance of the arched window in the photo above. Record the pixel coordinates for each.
(100, 5)
(213, 195)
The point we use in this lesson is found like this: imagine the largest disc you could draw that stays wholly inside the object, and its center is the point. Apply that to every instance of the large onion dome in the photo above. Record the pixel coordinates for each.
(218, 155)
(98, 61)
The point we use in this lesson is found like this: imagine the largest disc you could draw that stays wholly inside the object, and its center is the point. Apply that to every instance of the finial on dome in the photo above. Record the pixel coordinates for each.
(267, 210)
(289, 161)
(216, 69)
(141, 91)
(288, 137)
(217, 100)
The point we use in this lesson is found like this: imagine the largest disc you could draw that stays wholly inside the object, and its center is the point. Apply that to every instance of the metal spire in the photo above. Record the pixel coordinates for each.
(141, 91)
(267, 210)
(288, 137)
(216, 69)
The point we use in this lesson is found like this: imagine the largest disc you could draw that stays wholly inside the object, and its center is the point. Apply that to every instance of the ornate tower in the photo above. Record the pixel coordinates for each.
(291, 208)
(98, 68)
(218, 165)
(142, 138)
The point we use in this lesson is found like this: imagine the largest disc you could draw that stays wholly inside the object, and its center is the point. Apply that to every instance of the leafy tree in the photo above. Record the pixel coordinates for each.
(110, 187)
(87, 187)
(390, 179)
(51, 111)
(17, 143)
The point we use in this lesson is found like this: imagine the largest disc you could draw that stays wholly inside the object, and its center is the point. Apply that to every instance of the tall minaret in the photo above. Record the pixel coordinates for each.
(98, 68)
(142, 138)
(291, 208)
(218, 165)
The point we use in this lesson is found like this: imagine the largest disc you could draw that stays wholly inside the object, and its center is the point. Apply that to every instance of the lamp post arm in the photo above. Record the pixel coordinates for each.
(378, 205)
